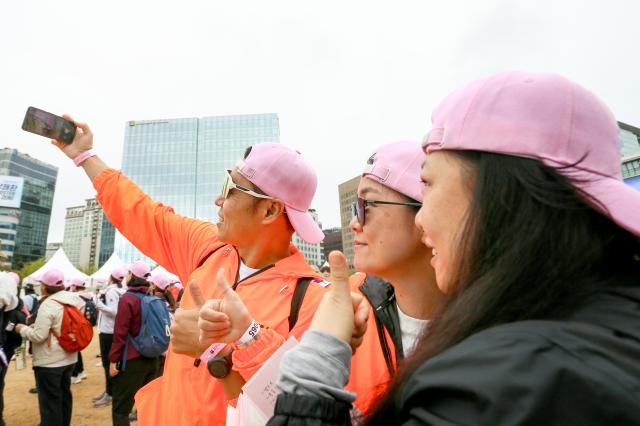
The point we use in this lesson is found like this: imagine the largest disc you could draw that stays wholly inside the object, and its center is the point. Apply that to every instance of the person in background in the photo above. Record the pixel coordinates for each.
(107, 305)
(77, 285)
(175, 291)
(51, 363)
(10, 315)
(159, 287)
(30, 299)
(129, 370)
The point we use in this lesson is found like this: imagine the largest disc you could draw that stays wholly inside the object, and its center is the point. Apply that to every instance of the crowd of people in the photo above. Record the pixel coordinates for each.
(497, 280)
(66, 307)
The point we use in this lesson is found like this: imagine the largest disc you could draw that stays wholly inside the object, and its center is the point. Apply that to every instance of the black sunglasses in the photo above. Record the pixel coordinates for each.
(358, 208)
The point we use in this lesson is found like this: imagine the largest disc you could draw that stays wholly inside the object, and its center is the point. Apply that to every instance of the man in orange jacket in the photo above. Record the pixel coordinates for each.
(265, 199)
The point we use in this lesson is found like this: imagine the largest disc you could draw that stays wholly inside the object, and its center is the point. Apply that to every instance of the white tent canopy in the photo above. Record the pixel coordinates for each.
(102, 274)
(58, 261)
(160, 269)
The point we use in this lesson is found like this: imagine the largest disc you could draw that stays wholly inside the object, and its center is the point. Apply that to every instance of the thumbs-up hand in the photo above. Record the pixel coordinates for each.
(341, 313)
(184, 330)
(223, 320)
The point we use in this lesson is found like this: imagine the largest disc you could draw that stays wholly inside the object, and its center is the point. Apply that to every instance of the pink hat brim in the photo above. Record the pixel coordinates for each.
(305, 226)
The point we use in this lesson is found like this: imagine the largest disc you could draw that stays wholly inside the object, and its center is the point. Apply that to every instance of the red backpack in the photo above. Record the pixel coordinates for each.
(76, 332)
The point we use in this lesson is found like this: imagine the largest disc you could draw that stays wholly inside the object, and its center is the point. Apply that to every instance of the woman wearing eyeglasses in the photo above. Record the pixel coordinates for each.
(394, 272)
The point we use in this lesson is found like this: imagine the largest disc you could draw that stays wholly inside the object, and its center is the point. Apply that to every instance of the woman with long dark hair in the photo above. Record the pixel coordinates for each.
(535, 244)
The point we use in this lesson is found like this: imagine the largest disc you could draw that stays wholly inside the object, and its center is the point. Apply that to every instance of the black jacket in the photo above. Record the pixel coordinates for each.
(10, 340)
(581, 371)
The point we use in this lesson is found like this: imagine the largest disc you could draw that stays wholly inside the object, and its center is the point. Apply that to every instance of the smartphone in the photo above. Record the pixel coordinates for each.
(44, 123)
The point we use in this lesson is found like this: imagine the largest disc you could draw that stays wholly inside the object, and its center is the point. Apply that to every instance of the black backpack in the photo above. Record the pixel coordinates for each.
(90, 311)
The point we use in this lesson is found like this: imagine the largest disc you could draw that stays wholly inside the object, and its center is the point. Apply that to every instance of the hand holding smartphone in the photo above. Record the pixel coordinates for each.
(48, 125)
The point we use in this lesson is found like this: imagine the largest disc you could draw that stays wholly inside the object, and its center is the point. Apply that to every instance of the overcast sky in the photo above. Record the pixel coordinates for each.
(343, 76)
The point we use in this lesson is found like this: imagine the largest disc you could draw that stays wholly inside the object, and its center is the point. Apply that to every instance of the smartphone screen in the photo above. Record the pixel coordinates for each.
(49, 125)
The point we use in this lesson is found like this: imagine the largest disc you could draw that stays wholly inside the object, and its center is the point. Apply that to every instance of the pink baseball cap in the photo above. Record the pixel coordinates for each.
(118, 273)
(53, 278)
(282, 173)
(160, 280)
(140, 269)
(398, 165)
(78, 282)
(546, 117)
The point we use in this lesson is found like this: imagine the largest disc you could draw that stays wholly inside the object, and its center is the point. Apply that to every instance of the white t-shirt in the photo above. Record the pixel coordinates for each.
(245, 271)
(410, 328)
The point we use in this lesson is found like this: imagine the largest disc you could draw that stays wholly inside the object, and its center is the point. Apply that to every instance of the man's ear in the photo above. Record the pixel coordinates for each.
(272, 210)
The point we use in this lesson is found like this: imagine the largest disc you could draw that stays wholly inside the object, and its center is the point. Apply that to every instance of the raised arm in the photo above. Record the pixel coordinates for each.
(176, 242)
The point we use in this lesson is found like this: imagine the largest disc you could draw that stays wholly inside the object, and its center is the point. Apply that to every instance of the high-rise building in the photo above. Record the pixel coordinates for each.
(312, 252)
(31, 218)
(332, 241)
(348, 192)
(87, 232)
(181, 162)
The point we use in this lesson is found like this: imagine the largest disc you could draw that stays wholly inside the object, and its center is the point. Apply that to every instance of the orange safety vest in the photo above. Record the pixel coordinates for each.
(186, 394)
(369, 376)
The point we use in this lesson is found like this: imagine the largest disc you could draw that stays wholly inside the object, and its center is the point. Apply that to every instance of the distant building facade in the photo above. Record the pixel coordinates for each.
(348, 192)
(52, 248)
(87, 232)
(312, 252)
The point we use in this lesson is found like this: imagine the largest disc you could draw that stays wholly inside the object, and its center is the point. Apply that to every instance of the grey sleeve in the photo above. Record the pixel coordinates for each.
(318, 366)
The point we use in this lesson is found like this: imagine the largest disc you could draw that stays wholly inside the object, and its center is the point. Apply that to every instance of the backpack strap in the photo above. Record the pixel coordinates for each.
(296, 301)
(204, 259)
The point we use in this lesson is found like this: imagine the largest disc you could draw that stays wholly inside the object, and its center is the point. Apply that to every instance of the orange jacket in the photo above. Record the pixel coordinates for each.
(370, 375)
(186, 394)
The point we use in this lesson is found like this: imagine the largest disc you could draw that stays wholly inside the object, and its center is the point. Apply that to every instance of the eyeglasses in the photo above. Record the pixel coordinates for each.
(358, 208)
(229, 184)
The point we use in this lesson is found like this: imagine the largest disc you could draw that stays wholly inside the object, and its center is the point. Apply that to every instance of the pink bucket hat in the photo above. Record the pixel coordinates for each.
(53, 278)
(140, 269)
(160, 280)
(282, 173)
(398, 165)
(118, 273)
(546, 117)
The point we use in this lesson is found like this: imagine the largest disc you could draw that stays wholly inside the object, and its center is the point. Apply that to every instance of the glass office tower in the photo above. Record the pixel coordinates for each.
(35, 209)
(180, 162)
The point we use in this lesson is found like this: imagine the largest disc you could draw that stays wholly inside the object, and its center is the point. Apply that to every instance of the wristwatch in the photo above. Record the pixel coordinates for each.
(220, 365)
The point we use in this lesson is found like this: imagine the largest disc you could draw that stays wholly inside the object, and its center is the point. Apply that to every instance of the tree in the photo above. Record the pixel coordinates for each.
(30, 268)
(89, 270)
